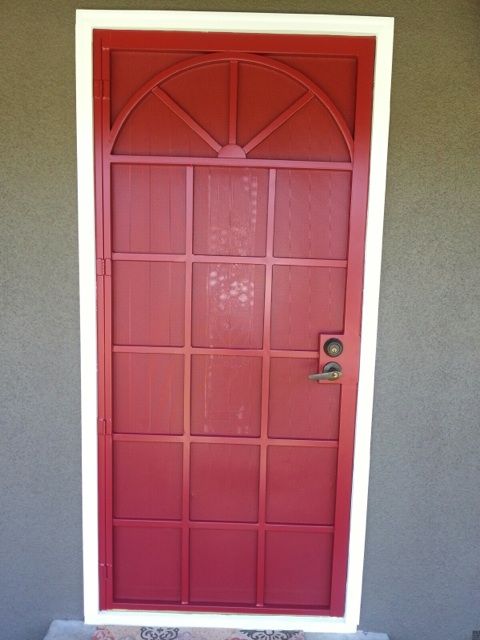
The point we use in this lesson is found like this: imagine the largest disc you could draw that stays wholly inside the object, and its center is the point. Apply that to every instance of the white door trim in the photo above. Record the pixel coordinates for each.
(382, 29)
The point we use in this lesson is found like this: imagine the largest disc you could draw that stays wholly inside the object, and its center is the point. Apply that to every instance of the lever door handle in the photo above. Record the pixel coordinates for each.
(331, 371)
(327, 375)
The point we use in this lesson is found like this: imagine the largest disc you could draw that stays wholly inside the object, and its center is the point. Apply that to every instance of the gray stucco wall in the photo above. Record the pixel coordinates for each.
(422, 571)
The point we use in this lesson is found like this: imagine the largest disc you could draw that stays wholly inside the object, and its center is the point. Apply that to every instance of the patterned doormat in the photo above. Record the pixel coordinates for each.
(163, 633)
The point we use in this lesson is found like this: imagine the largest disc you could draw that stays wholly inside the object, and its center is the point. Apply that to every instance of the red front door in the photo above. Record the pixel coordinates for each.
(231, 181)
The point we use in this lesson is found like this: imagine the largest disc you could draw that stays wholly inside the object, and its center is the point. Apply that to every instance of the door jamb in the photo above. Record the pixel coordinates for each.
(382, 29)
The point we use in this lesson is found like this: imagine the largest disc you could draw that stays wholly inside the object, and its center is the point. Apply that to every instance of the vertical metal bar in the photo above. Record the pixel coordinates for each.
(97, 111)
(108, 339)
(233, 106)
(262, 494)
(186, 389)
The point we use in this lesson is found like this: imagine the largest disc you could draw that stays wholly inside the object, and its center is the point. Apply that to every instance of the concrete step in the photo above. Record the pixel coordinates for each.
(77, 630)
(70, 630)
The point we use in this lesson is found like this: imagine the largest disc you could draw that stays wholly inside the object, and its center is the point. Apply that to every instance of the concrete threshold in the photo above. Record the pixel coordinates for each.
(77, 630)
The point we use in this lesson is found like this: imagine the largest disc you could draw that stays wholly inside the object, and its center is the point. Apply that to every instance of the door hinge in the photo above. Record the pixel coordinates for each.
(105, 570)
(97, 89)
(104, 267)
(101, 89)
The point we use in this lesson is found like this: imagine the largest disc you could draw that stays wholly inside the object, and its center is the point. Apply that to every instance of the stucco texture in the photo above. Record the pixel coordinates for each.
(422, 569)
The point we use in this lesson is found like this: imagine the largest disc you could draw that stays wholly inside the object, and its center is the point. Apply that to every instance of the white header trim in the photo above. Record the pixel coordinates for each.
(382, 29)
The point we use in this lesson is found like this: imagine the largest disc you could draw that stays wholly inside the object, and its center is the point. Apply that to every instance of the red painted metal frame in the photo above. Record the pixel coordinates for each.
(229, 47)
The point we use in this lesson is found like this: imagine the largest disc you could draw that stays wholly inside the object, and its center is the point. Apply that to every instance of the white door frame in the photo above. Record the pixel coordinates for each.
(382, 29)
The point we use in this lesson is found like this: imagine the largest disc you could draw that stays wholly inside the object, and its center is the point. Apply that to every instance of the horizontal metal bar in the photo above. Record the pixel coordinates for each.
(221, 524)
(175, 257)
(206, 351)
(155, 605)
(253, 440)
(231, 162)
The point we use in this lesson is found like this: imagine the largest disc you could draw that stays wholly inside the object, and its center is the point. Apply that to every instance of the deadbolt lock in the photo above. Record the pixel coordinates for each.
(333, 347)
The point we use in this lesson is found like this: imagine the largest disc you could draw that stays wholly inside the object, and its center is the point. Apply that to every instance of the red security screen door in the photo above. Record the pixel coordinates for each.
(231, 191)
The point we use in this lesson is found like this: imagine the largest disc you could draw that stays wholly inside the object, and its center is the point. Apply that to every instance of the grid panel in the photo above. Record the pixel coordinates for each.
(195, 513)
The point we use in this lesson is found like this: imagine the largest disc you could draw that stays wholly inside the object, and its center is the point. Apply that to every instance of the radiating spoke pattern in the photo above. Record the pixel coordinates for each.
(181, 113)
(264, 133)
(234, 62)
(279, 121)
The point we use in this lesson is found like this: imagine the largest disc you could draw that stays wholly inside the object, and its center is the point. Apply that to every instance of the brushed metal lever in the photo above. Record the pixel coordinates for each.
(331, 371)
